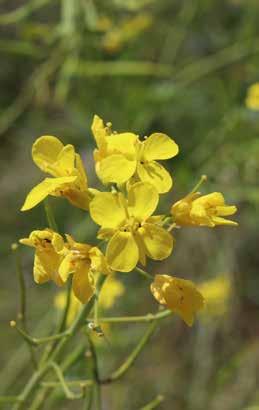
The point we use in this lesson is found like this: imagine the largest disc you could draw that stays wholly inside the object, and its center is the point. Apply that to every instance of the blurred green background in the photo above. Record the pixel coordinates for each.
(177, 66)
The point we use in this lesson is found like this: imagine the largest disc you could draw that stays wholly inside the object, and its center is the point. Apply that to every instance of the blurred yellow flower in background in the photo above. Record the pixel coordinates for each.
(132, 232)
(126, 31)
(217, 294)
(252, 98)
(65, 165)
(111, 291)
(203, 210)
(179, 295)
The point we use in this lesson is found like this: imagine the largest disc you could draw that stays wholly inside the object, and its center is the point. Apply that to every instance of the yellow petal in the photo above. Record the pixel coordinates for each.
(66, 267)
(157, 241)
(57, 242)
(141, 249)
(39, 273)
(99, 131)
(43, 189)
(45, 151)
(82, 283)
(98, 261)
(211, 200)
(122, 252)
(81, 171)
(124, 143)
(115, 168)
(66, 161)
(184, 298)
(155, 174)
(46, 264)
(222, 221)
(226, 210)
(142, 200)
(106, 210)
(179, 295)
(78, 198)
(199, 215)
(159, 146)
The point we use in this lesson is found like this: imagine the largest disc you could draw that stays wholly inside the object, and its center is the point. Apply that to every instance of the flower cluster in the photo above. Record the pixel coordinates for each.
(133, 178)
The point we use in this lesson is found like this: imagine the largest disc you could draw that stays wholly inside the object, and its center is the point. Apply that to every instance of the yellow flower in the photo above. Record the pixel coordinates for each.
(47, 259)
(83, 261)
(252, 98)
(65, 165)
(179, 295)
(203, 210)
(132, 157)
(111, 291)
(217, 293)
(115, 152)
(157, 146)
(132, 232)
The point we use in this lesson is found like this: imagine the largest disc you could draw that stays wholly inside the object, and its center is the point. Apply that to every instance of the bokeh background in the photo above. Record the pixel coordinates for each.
(182, 67)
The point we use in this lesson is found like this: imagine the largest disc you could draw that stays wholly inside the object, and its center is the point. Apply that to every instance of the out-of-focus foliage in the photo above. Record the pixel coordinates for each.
(178, 66)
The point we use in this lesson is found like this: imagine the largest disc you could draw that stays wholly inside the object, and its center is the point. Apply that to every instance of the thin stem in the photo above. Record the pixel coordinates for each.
(80, 320)
(203, 178)
(95, 374)
(117, 374)
(150, 317)
(21, 281)
(50, 215)
(63, 321)
(144, 273)
(22, 304)
(42, 395)
(33, 341)
(20, 13)
(30, 386)
(154, 403)
(68, 393)
(75, 383)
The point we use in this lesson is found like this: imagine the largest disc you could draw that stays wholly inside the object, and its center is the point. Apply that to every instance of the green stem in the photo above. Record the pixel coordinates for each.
(144, 273)
(68, 393)
(22, 305)
(21, 281)
(79, 322)
(30, 386)
(150, 317)
(75, 383)
(50, 215)
(95, 374)
(117, 374)
(154, 403)
(43, 394)
(20, 13)
(33, 341)
(203, 178)
(63, 321)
